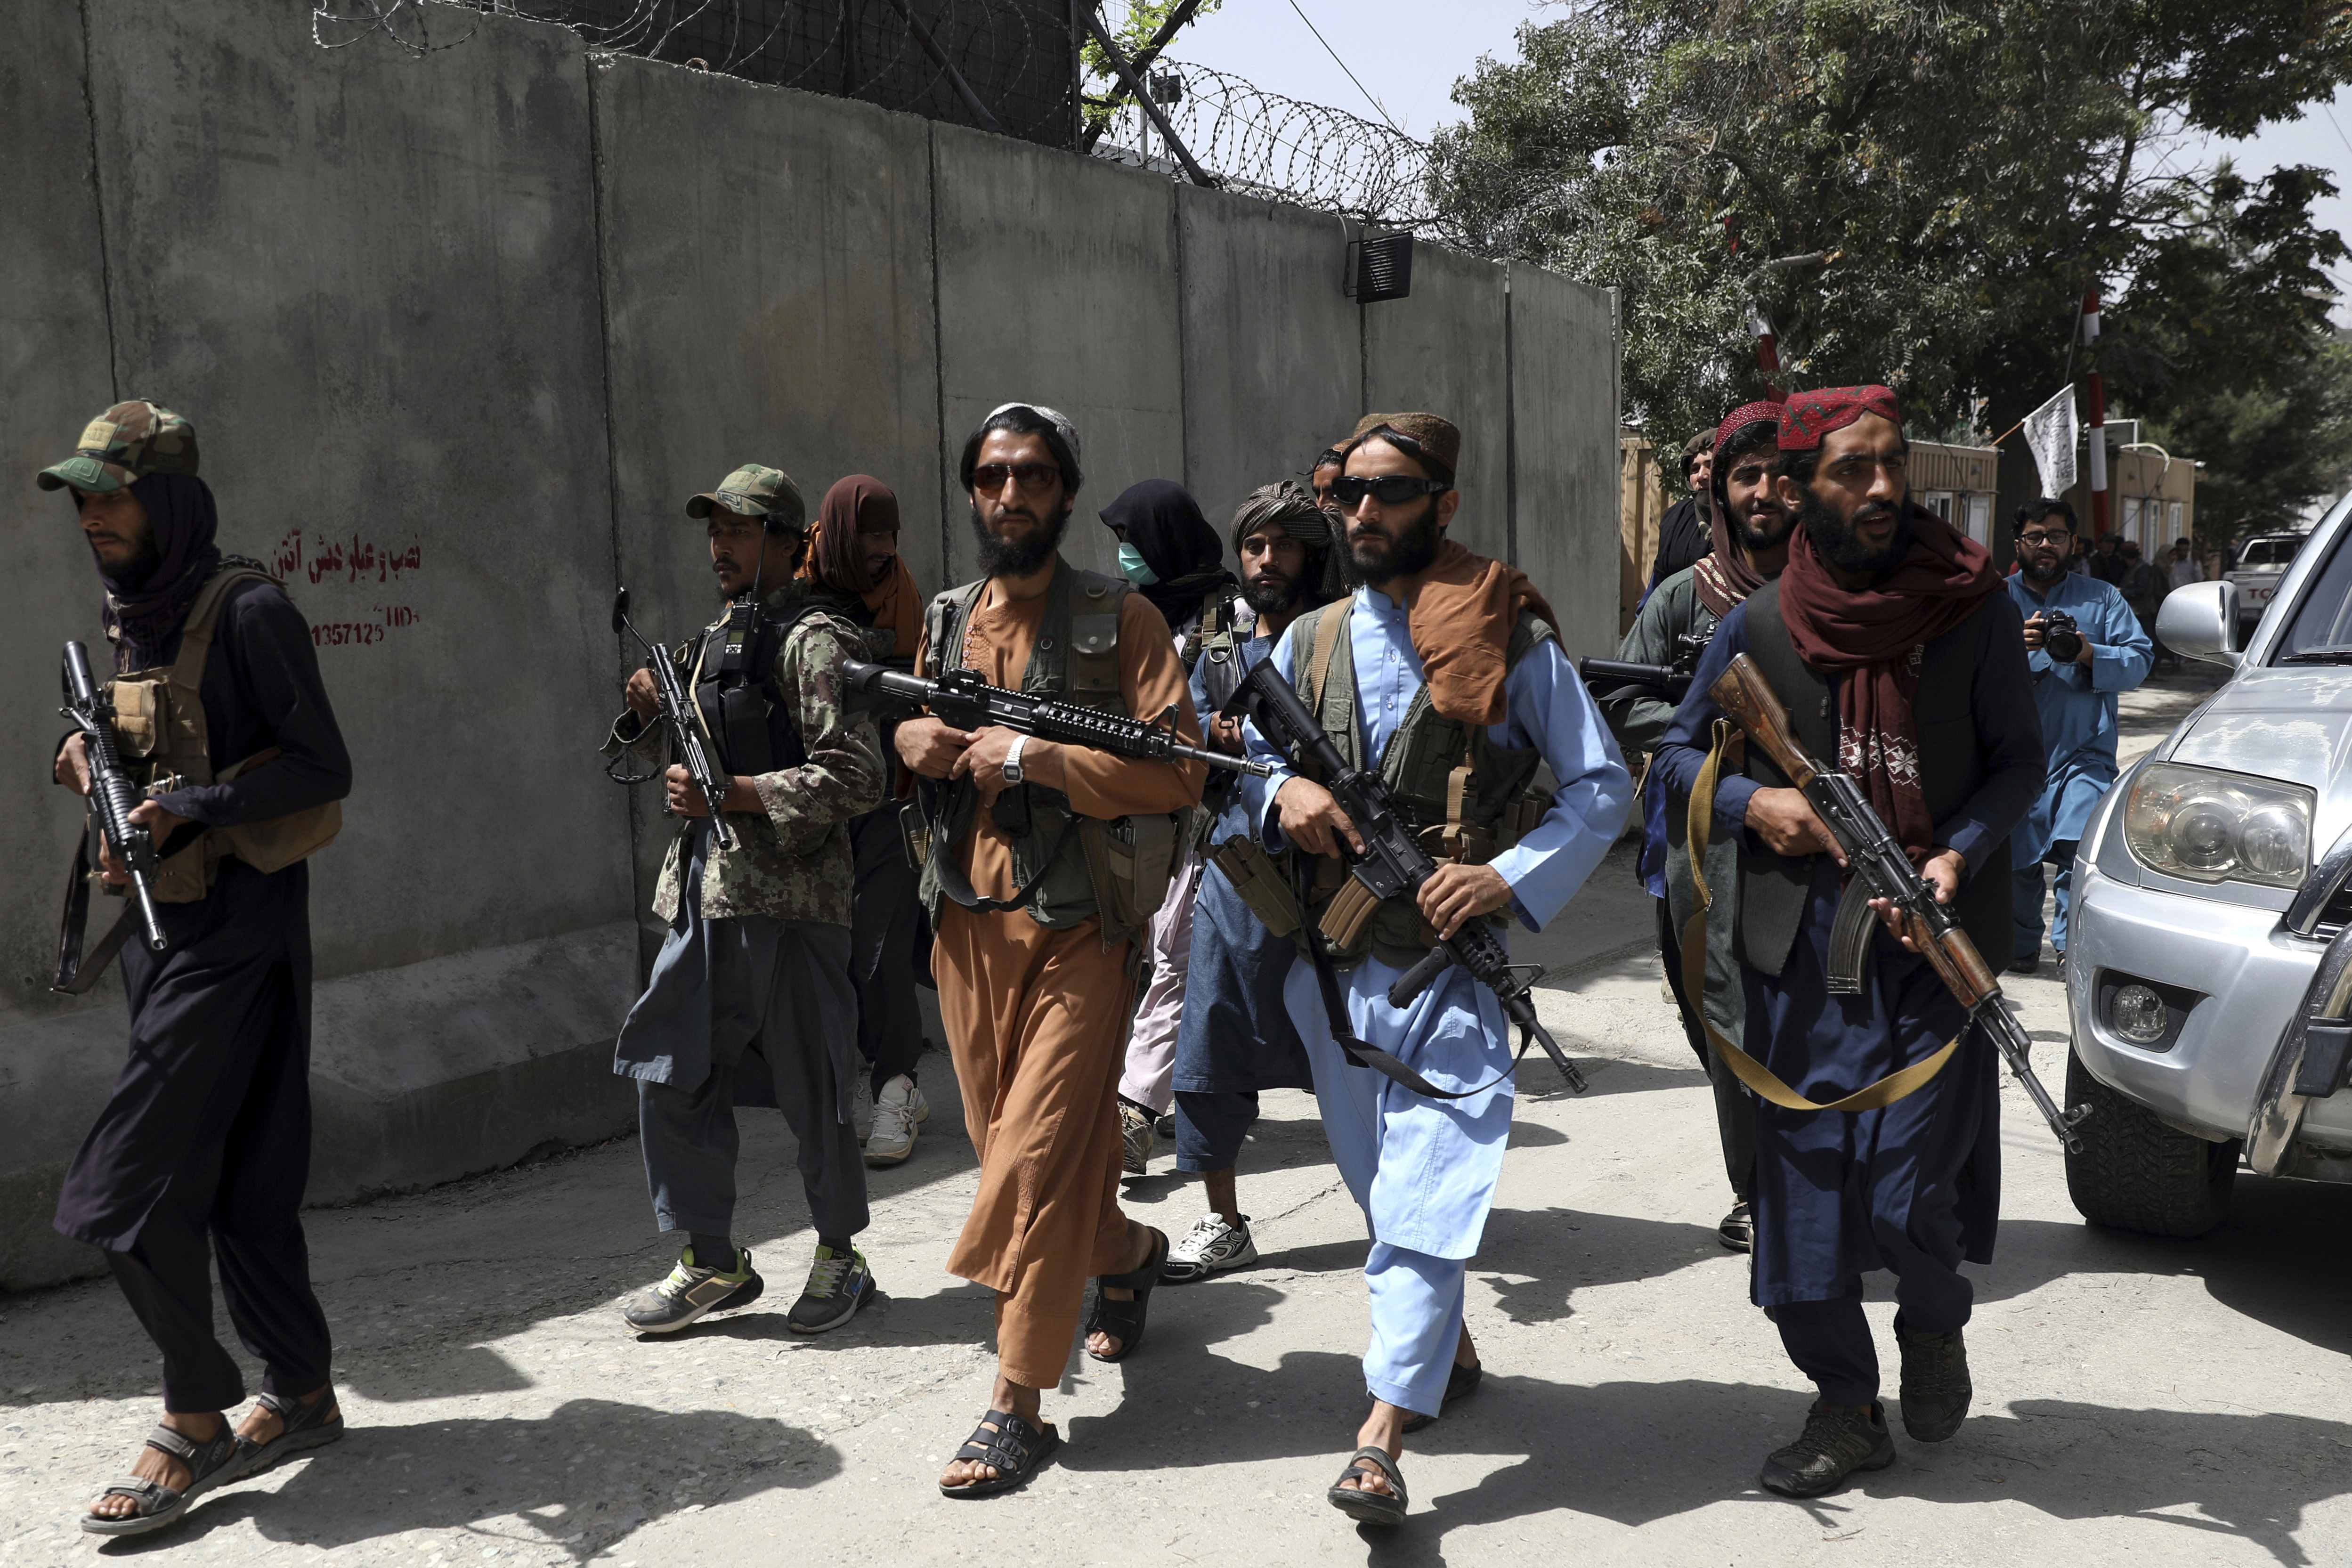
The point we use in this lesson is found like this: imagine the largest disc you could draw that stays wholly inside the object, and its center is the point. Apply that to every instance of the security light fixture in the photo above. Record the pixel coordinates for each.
(1379, 266)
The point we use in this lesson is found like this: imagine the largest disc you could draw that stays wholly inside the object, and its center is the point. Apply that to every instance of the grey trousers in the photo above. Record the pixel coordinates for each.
(782, 1031)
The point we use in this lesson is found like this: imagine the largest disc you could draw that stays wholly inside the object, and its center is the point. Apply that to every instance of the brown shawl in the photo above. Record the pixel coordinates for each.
(1459, 611)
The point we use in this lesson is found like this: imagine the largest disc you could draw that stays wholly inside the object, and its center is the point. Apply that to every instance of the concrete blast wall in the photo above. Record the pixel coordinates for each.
(460, 333)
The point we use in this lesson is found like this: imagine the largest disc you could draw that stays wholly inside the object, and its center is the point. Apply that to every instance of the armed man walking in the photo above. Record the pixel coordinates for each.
(750, 1001)
(1444, 671)
(1887, 641)
(1047, 860)
(2086, 648)
(206, 1136)
(1236, 1038)
(1748, 527)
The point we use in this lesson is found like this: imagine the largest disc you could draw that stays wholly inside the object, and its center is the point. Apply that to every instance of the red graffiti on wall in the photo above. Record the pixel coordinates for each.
(323, 557)
(367, 633)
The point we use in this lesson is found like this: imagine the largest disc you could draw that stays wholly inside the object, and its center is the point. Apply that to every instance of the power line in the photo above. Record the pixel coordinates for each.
(1351, 75)
(2330, 112)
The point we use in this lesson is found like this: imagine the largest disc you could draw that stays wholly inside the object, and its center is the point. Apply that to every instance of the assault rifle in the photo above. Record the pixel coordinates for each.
(678, 717)
(1392, 864)
(1877, 867)
(963, 699)
(1606, 675)
(113, 797)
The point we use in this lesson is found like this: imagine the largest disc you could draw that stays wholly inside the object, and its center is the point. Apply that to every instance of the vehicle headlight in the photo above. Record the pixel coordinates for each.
(2207, 826)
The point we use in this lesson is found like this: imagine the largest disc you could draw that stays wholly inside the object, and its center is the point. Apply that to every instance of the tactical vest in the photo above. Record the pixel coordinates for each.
(753, 724)
(1773, 889)
(160, 724)
(1081, 867)
(1467, 799)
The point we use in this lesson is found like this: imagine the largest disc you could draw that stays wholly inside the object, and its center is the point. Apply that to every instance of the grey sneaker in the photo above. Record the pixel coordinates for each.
(1936, 1385)
(1209, 1247)
(1135, 1134)
(690, 1292)
(1836, 1444)
(838, 1284)
(897, 1111)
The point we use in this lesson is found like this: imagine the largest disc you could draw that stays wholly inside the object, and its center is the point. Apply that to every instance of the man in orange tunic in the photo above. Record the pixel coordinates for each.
(1035, 917)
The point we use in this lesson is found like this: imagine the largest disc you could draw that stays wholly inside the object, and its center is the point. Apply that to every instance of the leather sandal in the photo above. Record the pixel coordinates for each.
(1123, 1321)
(1014, 1447)
(157, 1505)
(1369, 1508)
(301, 1426)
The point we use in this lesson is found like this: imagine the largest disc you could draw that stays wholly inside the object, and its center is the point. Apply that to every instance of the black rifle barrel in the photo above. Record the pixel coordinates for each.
(1610, 672)
(975, 703)
(112, 796)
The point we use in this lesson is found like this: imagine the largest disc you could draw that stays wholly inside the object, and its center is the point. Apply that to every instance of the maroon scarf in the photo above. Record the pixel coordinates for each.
(1877, 635)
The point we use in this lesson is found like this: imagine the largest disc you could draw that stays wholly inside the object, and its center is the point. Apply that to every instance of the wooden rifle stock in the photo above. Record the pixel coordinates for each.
(1742, 691)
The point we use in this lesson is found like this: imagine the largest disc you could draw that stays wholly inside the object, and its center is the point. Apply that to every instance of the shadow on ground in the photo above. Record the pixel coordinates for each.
(597, 1470)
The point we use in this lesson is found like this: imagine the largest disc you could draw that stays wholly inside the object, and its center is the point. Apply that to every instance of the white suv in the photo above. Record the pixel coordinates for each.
(2261, 564)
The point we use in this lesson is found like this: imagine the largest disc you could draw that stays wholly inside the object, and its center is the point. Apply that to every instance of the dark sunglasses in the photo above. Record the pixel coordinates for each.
(991, 477)
(1389, 489)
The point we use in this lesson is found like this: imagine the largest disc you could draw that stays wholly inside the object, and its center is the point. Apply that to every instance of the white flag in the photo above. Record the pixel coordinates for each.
(2052, 432)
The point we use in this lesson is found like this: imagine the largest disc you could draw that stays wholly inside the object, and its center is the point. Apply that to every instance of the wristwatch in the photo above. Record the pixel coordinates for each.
(1013, 760)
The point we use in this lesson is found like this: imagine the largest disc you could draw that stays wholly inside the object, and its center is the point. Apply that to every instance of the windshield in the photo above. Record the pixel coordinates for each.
(2269, 551)
(2323, 619)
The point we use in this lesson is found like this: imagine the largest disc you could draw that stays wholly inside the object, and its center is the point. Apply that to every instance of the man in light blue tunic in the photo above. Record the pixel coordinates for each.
(2074, 687)
(1443, 669)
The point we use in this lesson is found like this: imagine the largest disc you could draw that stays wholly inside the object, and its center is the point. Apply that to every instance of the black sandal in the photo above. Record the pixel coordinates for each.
(1460, 1384)
(1123, 1321)
(1369, 1508)
(301, 1426)
(1013, 1446)
(157, 1505)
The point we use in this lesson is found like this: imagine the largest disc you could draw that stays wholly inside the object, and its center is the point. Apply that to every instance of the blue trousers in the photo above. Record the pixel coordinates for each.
(2028, 905)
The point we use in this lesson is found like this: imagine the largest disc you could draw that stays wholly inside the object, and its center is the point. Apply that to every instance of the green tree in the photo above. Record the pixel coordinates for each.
(1911, 192)
(1148, 28)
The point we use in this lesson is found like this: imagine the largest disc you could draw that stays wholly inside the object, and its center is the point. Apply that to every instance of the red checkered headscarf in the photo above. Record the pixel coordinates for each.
(1808, 416)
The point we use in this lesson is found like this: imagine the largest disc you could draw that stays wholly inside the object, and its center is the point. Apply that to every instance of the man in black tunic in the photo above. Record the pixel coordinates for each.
(208, 1128)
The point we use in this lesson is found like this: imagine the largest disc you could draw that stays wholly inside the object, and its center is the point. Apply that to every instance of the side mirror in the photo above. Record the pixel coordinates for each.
(2200, 621)
(619, 611)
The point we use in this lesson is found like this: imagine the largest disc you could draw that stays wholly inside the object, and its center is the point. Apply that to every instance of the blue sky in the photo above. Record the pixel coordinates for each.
(1407, 56)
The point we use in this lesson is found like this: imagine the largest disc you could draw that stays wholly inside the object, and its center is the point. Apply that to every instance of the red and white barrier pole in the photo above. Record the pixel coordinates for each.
(1768, 359)
(2097, 433)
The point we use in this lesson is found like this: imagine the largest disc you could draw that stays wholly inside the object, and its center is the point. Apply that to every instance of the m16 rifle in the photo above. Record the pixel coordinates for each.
(961, 698)
(1393, 865)
(90, 708)
(1877, 867)
(685, 726)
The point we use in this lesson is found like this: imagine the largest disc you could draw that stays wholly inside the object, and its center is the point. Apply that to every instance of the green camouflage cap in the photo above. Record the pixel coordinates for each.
(128, 441)
(755, 490)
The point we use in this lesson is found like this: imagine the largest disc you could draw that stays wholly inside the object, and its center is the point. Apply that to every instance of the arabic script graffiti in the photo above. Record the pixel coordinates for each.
(350, 561)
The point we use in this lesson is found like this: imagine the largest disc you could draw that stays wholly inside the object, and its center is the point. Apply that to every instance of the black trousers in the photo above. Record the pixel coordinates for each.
(883, 930)
(1735, 1108)
(234, 1194)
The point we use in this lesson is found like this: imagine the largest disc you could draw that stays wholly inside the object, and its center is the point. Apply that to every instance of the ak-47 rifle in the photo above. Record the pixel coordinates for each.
(1877, 867)
(676, 716)
(962, 698)
(1392, 864)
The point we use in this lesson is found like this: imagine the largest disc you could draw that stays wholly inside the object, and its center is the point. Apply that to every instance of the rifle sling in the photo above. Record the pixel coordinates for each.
(79, 972)
(959, 889)
(1759, 1078)
(1361, 1053)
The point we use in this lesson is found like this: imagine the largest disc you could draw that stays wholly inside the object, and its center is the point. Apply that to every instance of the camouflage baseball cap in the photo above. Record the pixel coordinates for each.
(128, 441)
(755, 490)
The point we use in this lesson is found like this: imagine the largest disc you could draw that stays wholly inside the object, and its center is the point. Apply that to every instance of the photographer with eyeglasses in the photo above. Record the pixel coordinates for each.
(2084, 646)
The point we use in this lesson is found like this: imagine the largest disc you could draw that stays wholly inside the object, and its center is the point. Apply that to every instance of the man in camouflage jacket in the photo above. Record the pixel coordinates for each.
(750, 1001)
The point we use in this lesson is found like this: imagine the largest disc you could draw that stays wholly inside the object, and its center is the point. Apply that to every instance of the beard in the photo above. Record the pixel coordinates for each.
(1010, 558)
(1758, 535)
(2042, 576)
(1285, 600)
(1415, 547)
(1839, 544)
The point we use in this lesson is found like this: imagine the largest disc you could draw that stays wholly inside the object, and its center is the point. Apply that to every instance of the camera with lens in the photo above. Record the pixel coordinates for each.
(2062, 638)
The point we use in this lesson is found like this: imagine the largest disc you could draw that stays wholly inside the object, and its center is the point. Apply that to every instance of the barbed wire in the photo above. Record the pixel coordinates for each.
(1016, 54)
(1266, 144)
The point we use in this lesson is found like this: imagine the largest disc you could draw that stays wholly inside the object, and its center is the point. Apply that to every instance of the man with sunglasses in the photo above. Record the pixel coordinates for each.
(1444, 670)
(1893, 651)
(1046, 861)
(1748, 524)
(2076, 686)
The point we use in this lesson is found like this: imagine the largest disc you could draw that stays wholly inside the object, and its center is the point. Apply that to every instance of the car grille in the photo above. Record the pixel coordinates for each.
(2337, 915)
